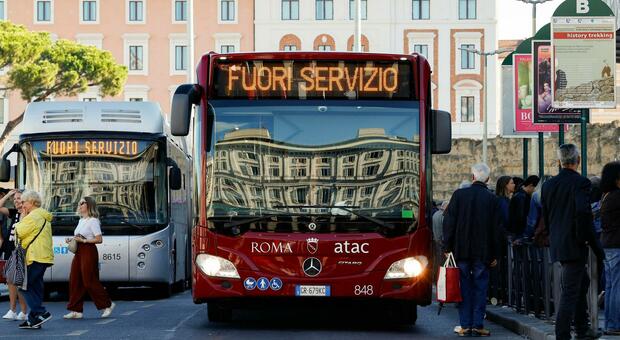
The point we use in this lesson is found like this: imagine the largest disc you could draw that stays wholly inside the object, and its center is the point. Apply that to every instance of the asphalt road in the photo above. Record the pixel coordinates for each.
(137, 316)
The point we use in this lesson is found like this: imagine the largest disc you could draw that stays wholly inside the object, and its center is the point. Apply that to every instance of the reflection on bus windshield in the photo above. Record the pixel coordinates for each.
(363, 157)
(127, 180)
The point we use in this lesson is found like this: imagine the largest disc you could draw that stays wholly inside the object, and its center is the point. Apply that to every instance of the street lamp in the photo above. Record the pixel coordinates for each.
(485, 54)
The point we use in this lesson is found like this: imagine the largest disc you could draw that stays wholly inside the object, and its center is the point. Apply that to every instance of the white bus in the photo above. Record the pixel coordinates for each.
(122, 154)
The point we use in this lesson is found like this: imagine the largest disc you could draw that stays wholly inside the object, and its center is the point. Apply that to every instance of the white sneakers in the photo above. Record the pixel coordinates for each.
(108, 311)
(11, 315)
(73, 315)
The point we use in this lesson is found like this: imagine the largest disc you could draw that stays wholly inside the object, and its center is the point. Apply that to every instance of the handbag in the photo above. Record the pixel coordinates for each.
(72, 245)
(16, 270)
(2, 265)
(448, 282)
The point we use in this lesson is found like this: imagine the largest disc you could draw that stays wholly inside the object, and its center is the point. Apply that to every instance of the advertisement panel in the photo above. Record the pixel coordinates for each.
(544, 112)
(584, 62)
(523, 96)
(508, 106)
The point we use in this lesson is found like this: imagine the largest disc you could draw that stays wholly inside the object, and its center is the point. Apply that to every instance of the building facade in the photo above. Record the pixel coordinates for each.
(437, 29)
(147, 36)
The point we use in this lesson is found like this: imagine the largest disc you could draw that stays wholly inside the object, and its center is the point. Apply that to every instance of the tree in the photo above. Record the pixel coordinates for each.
(40, 68)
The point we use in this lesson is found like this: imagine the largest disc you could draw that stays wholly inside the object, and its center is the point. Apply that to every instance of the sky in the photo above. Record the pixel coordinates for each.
(515, 18)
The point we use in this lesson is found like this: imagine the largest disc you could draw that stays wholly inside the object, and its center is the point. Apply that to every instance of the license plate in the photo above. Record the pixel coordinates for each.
(312, 290)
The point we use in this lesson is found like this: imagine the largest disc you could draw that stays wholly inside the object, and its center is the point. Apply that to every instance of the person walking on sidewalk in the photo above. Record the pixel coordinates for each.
(610, 223)
(34, 232)
(568, 218)
(84, 277)
(470, 232)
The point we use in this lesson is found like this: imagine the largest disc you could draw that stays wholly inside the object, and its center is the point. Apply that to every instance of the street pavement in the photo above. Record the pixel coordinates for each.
(137, 316)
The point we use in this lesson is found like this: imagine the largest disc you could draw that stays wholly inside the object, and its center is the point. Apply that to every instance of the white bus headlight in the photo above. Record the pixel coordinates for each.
(407, 268)
(216, 266)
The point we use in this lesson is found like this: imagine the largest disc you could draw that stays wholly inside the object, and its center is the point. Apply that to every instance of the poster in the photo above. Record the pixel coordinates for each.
(524, 96)
(544, 112)
(508, 106)
(584, 67)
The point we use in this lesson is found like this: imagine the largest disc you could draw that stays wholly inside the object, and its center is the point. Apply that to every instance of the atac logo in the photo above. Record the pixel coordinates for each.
(271, 247)
(312, 244)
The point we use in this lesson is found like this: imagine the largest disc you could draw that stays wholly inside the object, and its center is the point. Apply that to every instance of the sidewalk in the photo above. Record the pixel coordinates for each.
(528, 326)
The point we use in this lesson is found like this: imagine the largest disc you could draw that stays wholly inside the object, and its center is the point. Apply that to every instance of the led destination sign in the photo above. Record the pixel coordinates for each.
(313, 79)
(93, 147)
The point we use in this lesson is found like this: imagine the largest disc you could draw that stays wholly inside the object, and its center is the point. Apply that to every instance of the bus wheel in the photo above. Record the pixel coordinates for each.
(163, 290)
(218, 313)
(403, 313)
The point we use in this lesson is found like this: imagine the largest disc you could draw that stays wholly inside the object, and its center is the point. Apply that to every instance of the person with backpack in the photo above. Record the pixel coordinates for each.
(34, 232)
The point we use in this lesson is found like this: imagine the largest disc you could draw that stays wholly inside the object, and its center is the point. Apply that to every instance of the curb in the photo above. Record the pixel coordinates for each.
(524, 325)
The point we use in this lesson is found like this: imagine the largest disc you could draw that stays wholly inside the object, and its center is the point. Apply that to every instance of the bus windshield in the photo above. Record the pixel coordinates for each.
(125, 177)
(311, 157)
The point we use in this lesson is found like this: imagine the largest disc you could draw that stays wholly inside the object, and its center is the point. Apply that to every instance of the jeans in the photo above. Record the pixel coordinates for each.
(573, 300)
(34, 290)
(612, 289)
(474, 284)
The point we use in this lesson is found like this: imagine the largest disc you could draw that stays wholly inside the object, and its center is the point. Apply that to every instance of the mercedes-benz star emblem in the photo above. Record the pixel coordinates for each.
(312, 226)
(312, 244)
(312, 266)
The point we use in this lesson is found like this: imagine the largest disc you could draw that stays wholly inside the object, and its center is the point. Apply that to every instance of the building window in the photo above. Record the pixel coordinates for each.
(136, 11)
(299, 195)
(324, 48)
(323, 196)
(421, 9)
(349, 172)
(467, 9)
(368, 191)
(467, 109)
(2, 10)
(353, 9)
(89, 11)
(180, 10)
(274, 172)
(324, 9)
(421, 49)
(44, 10)
(468, 59)
(325, 172)
(290, 48)
(349, 193)
(227, 49)
(290, 9)
(227, 10)
(180, 58)
(371, 170)
(136, 58)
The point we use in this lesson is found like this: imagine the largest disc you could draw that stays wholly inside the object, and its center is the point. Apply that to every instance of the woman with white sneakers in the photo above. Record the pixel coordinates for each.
(84, 277)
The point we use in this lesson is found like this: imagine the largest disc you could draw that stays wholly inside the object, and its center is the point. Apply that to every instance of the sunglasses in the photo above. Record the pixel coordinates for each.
(82, 203)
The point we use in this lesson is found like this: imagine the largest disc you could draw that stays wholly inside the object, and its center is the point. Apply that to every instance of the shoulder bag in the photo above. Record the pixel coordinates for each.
(15, 270)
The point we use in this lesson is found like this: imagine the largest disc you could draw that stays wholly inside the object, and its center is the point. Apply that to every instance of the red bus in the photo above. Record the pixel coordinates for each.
(312, 178)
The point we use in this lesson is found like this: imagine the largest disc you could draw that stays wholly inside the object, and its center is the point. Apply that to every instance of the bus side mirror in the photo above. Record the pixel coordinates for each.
(174, 178)
(5, 170)
(184, 98)
(442, 132)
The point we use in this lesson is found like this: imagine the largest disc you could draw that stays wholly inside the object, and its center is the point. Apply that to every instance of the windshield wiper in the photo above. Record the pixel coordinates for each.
(247, 220)
(345, 208)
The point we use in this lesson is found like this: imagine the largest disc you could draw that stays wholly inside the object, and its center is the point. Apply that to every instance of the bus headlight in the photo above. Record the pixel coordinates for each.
(216, 266)
(407, 268)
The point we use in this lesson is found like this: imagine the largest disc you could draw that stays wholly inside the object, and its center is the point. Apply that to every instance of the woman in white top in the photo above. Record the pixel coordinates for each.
(84, 277)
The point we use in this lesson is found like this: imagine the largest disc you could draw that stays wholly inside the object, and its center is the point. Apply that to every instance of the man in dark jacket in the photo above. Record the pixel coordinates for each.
(471, 228)
(568, 218)
(520, 206)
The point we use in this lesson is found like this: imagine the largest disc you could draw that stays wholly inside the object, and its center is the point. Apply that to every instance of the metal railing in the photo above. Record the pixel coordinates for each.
(532, 282)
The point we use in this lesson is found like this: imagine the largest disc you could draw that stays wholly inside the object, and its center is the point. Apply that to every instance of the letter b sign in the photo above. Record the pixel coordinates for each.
(583, 6)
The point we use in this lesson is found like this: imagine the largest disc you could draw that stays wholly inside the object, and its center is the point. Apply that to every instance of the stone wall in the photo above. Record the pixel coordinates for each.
(505, 156)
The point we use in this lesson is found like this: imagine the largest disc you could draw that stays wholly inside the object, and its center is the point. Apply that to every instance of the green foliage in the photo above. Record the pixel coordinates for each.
(40, 68)
(18, 45)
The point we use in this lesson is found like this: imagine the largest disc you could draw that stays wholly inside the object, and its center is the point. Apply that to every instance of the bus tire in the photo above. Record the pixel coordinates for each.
(218, 312)
(403, 313)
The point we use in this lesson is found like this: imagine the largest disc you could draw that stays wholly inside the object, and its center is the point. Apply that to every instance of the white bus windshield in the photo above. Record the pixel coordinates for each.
(126, 178)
